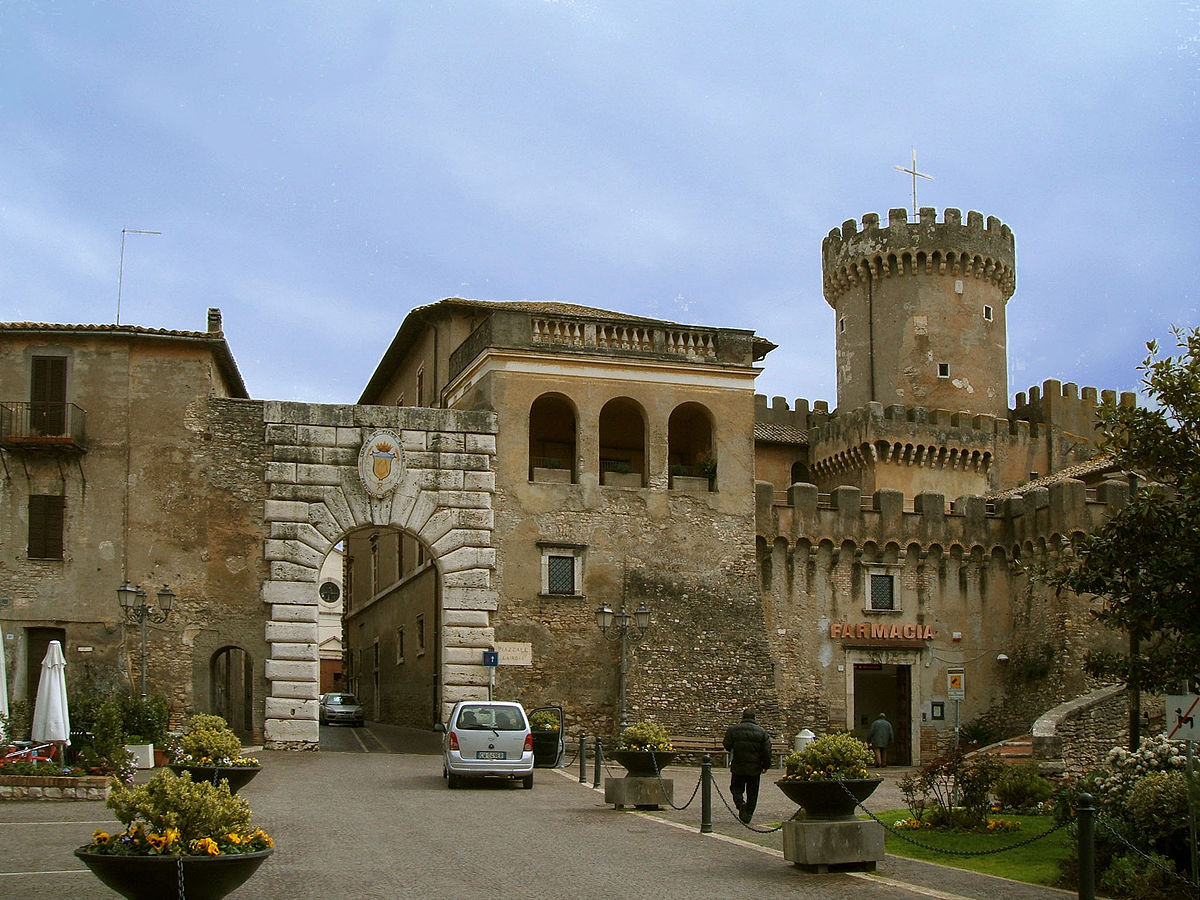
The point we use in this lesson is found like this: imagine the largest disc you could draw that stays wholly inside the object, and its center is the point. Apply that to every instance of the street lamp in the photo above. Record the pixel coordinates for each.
(136, 611)
(615, 627)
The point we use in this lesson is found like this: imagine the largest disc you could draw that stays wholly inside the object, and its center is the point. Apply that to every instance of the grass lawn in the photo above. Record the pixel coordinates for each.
(1036, 863)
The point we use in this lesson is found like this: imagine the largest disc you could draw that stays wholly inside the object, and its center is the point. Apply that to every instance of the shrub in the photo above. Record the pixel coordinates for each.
(145, 720)
(954, 791)
(1140, 879)
(544, 720)
(1022, 788)
(20, 717)
(836, 756)
(645, 735)
(208, 741)
(171, 814)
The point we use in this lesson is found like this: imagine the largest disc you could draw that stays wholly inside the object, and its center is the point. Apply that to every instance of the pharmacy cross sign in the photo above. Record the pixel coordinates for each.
(915, 175)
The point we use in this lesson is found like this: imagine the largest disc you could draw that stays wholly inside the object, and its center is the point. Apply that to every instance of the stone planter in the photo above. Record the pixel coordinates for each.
(691, 483)
(143, 755)
(54, 787)
(829, 800)
(621, 479)
(154, 877)
(643, 763)
(237, 776)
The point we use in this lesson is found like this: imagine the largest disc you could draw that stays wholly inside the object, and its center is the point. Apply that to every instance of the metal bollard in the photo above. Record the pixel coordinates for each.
(1087, 847)
(706, 794)
(583, 758)
(599, 762)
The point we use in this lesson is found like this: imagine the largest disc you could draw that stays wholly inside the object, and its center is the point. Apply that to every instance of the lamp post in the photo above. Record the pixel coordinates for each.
(136, 611)
(615, 627)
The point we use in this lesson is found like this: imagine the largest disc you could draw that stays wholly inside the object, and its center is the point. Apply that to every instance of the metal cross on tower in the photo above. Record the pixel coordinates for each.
(915, 175)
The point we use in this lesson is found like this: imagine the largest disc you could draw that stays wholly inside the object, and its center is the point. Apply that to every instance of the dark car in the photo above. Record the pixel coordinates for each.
(341, 708)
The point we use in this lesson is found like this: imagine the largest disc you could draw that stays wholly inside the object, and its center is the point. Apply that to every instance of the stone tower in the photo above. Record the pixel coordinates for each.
(921, 311)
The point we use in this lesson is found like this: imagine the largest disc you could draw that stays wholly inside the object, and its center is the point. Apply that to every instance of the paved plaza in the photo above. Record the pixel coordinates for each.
(370, 817)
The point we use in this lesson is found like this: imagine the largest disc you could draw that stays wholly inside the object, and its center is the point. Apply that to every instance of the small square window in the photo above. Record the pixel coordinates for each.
(943, 370)
(842, 325)
(560, 575)
(562, 570)
(987, 314)
(883, 591)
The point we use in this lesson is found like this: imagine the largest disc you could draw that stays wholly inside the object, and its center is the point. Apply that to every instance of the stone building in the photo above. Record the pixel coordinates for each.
(512, 467)
(109, 477)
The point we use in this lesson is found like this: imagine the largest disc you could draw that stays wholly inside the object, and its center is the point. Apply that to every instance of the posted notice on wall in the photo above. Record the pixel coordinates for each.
(515, 653)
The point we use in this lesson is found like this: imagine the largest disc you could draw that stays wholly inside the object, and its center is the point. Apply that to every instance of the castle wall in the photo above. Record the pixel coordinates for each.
(963, 598)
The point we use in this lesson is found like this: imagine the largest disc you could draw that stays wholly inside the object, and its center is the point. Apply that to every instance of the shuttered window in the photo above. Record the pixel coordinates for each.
(48, 394)
(45, 526)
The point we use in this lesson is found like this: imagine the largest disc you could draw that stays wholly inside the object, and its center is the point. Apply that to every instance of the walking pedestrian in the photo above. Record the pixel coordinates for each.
(749, 749)
(880, 738)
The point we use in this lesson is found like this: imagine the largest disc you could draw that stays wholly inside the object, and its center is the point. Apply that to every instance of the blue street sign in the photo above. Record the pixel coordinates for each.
(491, 657)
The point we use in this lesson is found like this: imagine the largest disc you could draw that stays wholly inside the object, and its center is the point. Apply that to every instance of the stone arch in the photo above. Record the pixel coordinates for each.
(553, 434)
(442, 494)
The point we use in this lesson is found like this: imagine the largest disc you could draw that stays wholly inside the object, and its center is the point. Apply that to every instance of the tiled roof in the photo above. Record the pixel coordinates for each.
(221, 352)
(780, 434)
(1097, 465)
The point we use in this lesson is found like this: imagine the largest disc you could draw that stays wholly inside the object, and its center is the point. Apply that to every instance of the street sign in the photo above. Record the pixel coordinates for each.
(491, 658)
(1183, 717)
(956, 684)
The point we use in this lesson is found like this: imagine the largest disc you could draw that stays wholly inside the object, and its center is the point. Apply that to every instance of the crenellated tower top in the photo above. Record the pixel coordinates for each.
(921, 310)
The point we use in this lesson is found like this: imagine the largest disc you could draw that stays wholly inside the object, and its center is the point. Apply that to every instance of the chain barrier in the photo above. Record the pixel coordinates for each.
(963, 853)
(179, 869)
(735, 815)
(670, 802)
(1150, 860)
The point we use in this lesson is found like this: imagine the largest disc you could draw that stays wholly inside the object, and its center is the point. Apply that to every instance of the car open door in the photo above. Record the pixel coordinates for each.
(549, 744)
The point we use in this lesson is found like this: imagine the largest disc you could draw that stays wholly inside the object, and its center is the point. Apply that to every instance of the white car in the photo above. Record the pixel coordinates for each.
(487, 738)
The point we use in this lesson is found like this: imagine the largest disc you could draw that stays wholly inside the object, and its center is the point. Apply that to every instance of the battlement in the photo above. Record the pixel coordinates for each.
(1020, 525)
(983, 249)
(1066, 406)
(779, 413)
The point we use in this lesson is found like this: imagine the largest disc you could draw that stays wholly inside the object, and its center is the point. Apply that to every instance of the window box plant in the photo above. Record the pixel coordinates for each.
(644, 749)
(179, 835)
(829, 777)
(209, 750)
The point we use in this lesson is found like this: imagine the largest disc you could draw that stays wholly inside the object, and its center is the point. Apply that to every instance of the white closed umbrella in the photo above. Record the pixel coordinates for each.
(51, 721)
(3, 679)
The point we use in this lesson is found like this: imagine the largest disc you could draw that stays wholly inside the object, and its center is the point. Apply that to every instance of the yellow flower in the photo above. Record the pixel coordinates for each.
(157, 841)
(172, 835)
(100, 837)
(263, 836)
(233, 838)
(207, 845)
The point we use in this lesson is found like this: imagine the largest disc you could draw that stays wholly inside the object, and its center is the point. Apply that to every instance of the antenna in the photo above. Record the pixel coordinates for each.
(121, 273)
(915, 175)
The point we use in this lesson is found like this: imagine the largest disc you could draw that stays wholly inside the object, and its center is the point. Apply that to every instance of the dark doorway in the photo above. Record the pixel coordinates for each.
(233, 689)
(885, 688)
(37, 641)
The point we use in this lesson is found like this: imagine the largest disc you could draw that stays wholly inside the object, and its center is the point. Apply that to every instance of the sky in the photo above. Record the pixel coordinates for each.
(317, 170)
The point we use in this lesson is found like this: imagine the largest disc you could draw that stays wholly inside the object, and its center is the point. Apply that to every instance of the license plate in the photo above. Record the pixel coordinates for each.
(490, 754)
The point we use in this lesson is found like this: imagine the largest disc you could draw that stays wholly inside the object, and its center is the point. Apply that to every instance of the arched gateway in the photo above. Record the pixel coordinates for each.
(331, 469)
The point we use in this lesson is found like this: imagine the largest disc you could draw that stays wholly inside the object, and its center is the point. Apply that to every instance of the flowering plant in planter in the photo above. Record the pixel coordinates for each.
(543, 720)
(209, 742)
(645, 735)
(838, 756)
(170, 815)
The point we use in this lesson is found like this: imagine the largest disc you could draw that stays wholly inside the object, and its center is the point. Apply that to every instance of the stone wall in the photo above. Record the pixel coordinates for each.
(50, 787)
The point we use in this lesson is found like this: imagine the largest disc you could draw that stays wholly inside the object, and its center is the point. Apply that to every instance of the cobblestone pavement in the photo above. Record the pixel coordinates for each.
(375, 823)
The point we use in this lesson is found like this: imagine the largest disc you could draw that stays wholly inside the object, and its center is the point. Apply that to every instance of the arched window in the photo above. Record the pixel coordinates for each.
(552, 439)
(800, 474)
(690, 444)
(622, 443)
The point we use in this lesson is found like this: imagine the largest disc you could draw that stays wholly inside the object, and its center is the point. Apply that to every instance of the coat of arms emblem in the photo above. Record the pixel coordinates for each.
(379, 463)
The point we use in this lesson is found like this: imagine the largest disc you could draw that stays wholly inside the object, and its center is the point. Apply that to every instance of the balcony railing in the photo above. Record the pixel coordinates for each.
(41, 425)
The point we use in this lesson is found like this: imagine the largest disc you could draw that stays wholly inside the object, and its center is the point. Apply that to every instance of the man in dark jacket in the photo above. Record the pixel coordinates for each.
(749, 748)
